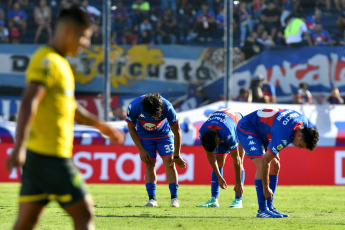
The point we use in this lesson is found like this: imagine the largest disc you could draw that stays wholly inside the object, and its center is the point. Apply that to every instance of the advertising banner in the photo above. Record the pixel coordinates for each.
(110, 164)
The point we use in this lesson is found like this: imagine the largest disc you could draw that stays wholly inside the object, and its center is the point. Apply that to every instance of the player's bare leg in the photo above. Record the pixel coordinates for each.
(238, 155)
(82, 213)
(172, 178)
(151, 181)
(28, 215)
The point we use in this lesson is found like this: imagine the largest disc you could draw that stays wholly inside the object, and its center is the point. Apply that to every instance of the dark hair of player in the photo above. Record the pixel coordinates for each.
(311, 137)
(209, 141)
(153, 105)
(74, 14)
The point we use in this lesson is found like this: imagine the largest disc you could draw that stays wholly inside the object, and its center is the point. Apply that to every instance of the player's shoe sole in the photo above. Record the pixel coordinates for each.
(151, 203)
(212, 203)
(236, 204)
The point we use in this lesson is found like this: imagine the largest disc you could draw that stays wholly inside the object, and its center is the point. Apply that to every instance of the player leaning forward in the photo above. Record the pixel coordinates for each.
(272, 130)
(154, 127)
(218, 137)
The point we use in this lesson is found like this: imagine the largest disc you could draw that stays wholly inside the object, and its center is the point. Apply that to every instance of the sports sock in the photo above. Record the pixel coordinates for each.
(214, 184)
(260, 194)
(151, 190)
(273, 186)
(173, 190)
(242, 180)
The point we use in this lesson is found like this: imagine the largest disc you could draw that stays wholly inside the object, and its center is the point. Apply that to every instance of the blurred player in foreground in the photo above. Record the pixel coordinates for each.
(263, 134)
(218, 137)
(154, 127)
(44, 135)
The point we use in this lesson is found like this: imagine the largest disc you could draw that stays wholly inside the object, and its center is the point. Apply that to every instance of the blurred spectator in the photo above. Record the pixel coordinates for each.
(4, 34)
(220, 18)
(341, 22)
(288, 8)
(246, 22)
(140, 10)
(23, 3)
(328, 5)
(120, 18)
(256, 88)
(311, 20)
(270, 18)
(321, 37)
(146, 37)
(129, 37)
(118, 114)
(183, 24)
(93, 12)
(146, 25)
(205, 23)
(168, 4)
(13, 117)
(334, 97)
(245, 95)
(251, 47)
(268, 90)
(294, 32)
(17, 23)
(304, 94)
(257, 8)
(296, 98)
(42, 17)
(166, 26)
(97, 38)
(265, 39)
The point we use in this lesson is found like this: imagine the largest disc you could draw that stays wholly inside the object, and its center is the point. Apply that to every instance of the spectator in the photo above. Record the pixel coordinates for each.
(246, 22)
(341, 22)
(268, 90)
(93, 12)
(4, 34)
(118, 114)
(328, 5)
(146, 38)
(288, 9)
(13, 117)
(120, 18)
(129, 37)
(321, 37)
(294, 32)
(146, 25)
(23, 3)
(17, 22)
(166, 28)
(183, 24)
(257, 8)
(256, 88)
(251, 47)
(42, 17)
(296, 98)
(334, 98)
(97, 37)
(265, 39)
(220, 19)
(270, 19)
(311, 20)
(168, 4)
(205, 23)
(140, 10)
(304, 95)
(245, 95)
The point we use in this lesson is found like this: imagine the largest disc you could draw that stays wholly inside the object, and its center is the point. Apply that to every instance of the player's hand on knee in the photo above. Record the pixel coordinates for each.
(180, 162)
(145, 157)
(222, 183)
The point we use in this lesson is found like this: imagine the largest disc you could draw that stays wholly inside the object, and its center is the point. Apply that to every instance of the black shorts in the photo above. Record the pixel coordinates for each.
(46, 178)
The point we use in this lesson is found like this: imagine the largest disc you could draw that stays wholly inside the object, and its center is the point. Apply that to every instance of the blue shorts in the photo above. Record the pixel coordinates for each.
(164, 146)
(250, 141)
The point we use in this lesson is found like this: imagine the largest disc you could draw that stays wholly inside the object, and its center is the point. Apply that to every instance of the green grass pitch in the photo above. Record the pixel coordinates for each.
(121, 207)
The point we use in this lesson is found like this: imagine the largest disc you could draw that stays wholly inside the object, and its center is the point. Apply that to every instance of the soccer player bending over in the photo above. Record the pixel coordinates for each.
(263, 134)
(44, 134)
(218, 137)
(154, 127)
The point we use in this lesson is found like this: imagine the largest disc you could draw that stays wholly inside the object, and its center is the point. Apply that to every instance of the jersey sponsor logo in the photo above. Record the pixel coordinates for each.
(150, 126)
(253, 148)
(280, 147)
(250, 137)
(274, 150)
(285, 142)
(233, 147)
(251, 143)
(142, 115)
(229, 137)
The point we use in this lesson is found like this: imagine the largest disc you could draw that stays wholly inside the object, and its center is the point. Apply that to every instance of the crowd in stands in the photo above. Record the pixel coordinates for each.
(257, 24)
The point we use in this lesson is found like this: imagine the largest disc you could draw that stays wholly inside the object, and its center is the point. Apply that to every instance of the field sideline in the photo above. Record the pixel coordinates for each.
(120, 207)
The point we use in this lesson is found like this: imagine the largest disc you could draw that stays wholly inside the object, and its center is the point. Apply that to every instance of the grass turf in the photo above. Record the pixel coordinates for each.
(121, 207)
